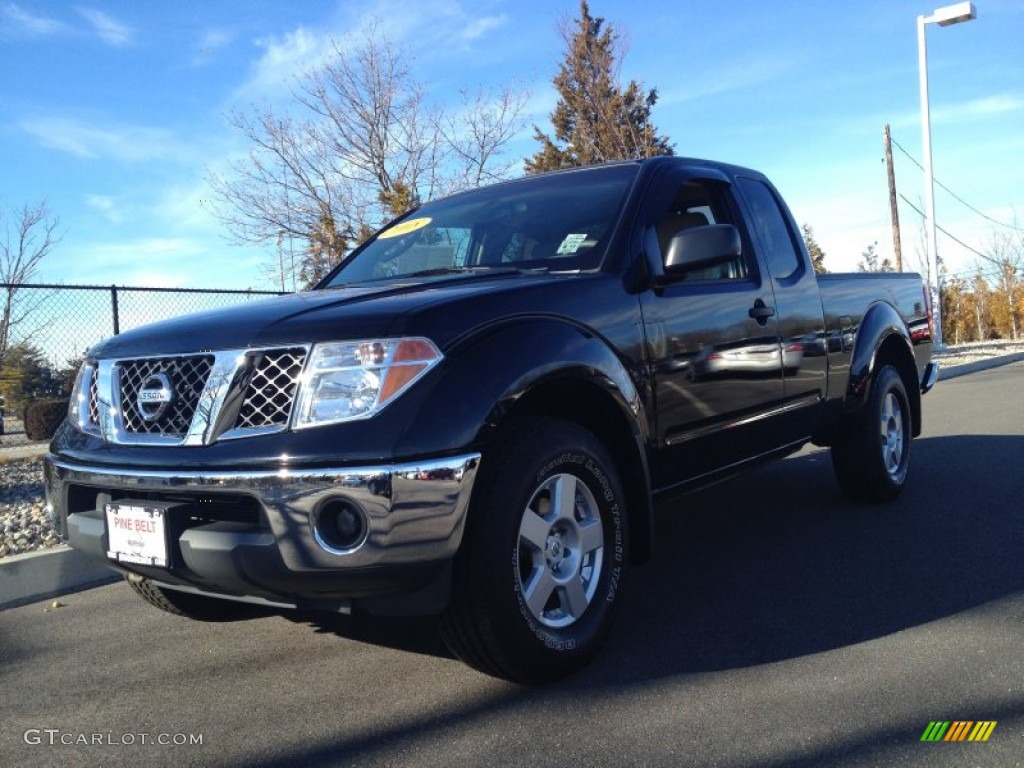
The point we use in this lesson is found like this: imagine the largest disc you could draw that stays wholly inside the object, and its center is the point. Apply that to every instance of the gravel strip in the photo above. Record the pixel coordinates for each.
(24, 526)
(977, 350)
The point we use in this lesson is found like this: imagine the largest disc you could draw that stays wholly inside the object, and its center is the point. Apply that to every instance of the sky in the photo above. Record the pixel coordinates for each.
(115, 113)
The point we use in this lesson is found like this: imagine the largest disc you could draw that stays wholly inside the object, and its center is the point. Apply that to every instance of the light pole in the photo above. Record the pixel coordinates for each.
(945, 16)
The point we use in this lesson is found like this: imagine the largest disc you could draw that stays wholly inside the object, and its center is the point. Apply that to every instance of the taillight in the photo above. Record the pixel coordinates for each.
(928, 310)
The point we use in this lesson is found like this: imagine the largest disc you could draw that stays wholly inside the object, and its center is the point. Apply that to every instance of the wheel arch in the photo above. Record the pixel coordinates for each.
(554, 368)
(572, 397)
(882, 339)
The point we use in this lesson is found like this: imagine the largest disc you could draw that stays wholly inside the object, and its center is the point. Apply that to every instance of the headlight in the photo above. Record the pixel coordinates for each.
(356, 379)
(78, 404)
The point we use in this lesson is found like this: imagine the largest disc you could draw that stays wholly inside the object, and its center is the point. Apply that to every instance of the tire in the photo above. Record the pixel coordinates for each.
(192, 606)
(536, 584)
(871, 455)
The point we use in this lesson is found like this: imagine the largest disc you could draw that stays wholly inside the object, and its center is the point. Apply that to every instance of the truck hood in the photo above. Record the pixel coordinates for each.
(356, 312)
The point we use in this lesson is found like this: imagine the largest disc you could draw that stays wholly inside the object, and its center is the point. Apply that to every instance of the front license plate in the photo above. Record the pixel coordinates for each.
(136, 534)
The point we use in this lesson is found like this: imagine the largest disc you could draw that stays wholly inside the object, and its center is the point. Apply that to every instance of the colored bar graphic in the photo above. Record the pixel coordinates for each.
(935, 731)
(958, 730)
(982, 730)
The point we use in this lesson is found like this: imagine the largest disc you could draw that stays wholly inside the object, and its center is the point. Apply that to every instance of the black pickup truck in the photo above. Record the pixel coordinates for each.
(474, 415)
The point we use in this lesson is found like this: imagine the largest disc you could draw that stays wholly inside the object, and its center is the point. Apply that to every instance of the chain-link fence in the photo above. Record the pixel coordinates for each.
(52, 326)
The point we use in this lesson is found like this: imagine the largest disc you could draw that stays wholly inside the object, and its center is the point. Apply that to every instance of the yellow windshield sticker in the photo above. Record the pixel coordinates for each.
(405, 227)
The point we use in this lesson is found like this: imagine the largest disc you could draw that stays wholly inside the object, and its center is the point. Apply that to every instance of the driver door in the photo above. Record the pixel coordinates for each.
(712, 340)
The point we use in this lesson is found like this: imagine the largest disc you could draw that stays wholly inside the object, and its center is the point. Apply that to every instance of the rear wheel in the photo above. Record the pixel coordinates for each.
(871, 456)
(190, 605)
(539, 573)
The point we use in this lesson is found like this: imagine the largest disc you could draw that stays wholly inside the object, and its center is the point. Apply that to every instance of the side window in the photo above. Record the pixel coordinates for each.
(698, 204)
(780, 253)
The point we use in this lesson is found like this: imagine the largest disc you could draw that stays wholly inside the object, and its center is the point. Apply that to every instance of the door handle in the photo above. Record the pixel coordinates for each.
(761, 312)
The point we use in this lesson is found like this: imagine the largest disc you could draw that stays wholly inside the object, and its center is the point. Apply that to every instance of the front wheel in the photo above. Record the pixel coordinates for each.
(871, 455)
(539, 573)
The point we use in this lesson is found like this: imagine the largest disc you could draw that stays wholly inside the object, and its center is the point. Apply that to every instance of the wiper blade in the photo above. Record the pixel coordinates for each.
(436, 271)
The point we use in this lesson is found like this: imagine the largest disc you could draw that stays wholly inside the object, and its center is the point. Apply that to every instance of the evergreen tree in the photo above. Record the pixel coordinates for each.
(327, 248)
(814, 250)
(871, 262)
(596, 118)
(27, 376)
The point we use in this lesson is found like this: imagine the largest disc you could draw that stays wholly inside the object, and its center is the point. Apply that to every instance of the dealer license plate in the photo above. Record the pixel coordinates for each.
(136, 534)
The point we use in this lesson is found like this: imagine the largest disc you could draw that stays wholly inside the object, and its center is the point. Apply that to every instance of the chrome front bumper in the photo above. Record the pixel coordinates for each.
(415, 514)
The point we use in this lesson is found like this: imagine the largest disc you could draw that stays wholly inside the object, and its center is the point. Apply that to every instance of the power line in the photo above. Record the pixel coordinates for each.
(977, 272)
(954, 194)
(949, 234)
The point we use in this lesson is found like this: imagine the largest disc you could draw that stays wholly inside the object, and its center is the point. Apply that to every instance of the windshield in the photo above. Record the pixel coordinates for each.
(552, 223)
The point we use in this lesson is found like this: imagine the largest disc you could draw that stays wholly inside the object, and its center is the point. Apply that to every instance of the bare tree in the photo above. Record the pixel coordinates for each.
(477, 134)
(368, 146)
(377, 126)
(30, 234)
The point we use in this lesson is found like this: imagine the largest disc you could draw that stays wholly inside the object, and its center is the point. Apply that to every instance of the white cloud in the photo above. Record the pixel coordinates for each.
(958, 112)
(212, 43)
(131, 259)
(120, 142)
(726, 77)
(106, 206)
(479, 27)
(283, 60)
(18, 20)
(165, 260)
(976, 109)
(402, 23)
(111, 31)
(216, 38)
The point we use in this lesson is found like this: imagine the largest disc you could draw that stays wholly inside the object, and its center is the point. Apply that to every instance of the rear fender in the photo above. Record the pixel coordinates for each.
(882, 338)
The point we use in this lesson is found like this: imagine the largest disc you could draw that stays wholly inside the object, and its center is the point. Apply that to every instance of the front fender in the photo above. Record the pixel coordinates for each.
(547, 367)
(485, 375)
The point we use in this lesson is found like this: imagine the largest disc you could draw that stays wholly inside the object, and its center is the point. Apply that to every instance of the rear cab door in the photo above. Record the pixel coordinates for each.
(798, 306)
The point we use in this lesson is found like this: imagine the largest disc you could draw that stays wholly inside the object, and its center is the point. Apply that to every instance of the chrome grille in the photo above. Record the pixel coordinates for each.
(271, 388)
(188, 377)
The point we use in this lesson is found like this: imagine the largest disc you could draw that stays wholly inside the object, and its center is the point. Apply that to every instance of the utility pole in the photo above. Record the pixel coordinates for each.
(893, 208)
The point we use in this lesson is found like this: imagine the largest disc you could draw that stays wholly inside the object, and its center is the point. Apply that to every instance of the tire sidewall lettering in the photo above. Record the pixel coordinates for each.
(589, 471)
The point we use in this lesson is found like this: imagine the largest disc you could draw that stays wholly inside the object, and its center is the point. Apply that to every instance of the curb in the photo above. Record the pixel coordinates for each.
(20, 451)
(35, 576)
(978, 365)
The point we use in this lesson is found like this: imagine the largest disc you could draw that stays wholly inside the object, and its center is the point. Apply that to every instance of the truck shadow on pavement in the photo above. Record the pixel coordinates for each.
(413, 634)
(772, 566)
(778, 564)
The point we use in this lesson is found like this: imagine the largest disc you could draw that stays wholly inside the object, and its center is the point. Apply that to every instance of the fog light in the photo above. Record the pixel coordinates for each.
(339, 526)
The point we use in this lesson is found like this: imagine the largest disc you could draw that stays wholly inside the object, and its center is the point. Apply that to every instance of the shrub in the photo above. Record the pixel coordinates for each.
(42, 417)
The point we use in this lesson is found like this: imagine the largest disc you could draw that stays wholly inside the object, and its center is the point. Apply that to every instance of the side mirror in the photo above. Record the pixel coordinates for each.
(702, 247)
